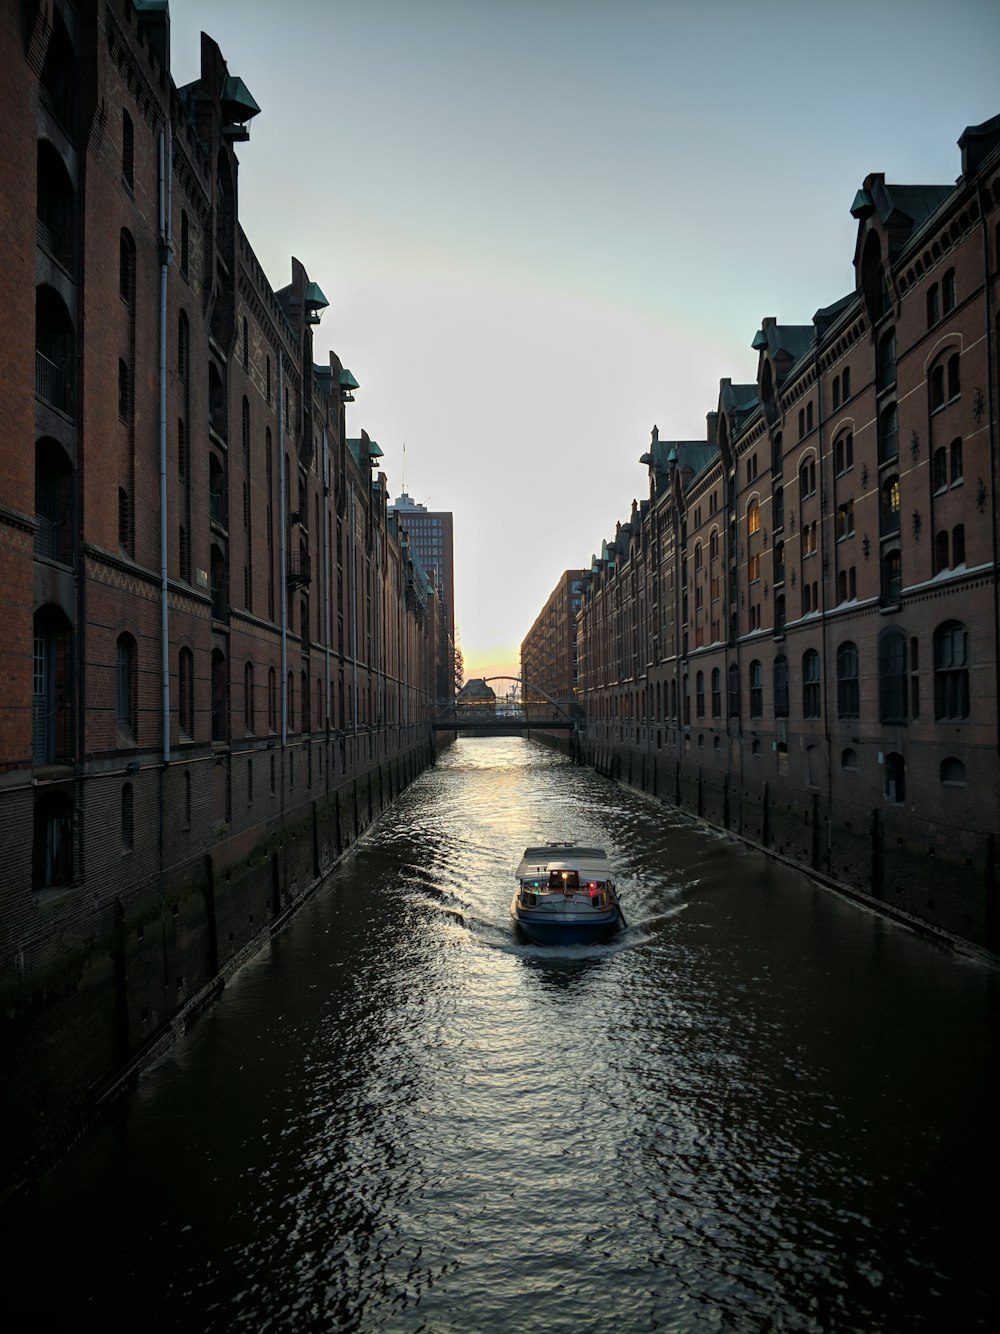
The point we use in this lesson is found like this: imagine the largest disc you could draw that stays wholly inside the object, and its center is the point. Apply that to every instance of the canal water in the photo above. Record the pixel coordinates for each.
(757, 1108)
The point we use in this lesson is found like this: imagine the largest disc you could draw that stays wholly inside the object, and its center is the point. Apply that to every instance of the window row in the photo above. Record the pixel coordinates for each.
(898, 680)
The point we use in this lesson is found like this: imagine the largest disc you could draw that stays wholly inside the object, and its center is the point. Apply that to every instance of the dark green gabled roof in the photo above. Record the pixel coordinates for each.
(237, 101)
(314, 297)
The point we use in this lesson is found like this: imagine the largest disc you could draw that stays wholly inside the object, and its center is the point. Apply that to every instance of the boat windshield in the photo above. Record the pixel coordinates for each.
(564, 880)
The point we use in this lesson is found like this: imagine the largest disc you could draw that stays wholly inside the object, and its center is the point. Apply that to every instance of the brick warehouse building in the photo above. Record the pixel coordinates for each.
(796, 634)
(219, 661)
(548, 650)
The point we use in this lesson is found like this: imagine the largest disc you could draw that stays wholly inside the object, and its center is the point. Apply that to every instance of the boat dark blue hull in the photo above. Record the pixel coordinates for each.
(583, 931)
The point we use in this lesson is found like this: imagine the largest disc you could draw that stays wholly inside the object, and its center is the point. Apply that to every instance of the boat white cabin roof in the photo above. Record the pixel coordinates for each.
(592, 863)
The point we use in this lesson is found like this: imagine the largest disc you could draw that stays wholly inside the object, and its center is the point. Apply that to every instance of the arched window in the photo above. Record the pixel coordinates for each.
(955, 454)
(56, 207)
(248, 699)
(185, 243)
(892, 577)
(126, 695)
(954, 377)
(716, 693)
(948, 291)
(51, 699)
(889, 506)
(699, 695)
(933, 305)
(58, 80)
(272, 700)
(734, 690)
(843, 452)
(888, 442)
(939, 469)
(216, 401)
(55, 351)
(810, 684)
(953, 772)
(886, 366)
(52, 842)
(779, 562)
(780, 675)
(892, 676)
(778, 507)
(849, 759)
(958, 544)
(756, 690)
(185, 693)
(895, 778)
(951, 671)
(219, 589)
(848, 697)
(753, 517)
(53, 502)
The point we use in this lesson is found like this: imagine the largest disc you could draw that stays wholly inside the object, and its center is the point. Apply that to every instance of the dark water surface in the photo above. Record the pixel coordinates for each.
(757, 1108)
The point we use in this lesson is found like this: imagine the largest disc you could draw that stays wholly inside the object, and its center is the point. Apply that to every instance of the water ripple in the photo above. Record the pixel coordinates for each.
(405, 1118)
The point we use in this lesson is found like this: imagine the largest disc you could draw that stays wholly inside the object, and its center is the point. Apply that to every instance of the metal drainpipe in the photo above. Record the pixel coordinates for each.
(282, 552)
(164, 220)
(991, 410)
(377, 632)
(354, 608)
(326, 567)
(824, 658)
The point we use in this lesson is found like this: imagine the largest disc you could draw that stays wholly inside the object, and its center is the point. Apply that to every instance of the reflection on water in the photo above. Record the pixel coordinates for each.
(757, 1108)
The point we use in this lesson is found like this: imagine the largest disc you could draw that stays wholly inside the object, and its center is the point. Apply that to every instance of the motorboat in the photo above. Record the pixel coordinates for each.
(565, 895)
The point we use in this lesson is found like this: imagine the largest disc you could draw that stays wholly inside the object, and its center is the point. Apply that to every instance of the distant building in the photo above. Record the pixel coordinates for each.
(432, 541)
(795, 635)
(548, 651)
(476, 699)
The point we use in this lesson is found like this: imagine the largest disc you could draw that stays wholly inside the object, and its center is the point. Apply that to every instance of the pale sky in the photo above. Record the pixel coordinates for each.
(545, 225)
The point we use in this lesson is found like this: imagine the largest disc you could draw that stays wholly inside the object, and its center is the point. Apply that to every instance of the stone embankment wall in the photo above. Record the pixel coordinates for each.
(911, 870)
(126, 978)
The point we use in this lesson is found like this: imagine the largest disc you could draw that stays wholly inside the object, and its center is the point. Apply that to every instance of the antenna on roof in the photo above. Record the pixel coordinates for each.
(403, 488)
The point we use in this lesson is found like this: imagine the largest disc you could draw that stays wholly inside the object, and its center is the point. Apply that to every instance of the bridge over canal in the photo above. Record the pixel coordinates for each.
(525, 709)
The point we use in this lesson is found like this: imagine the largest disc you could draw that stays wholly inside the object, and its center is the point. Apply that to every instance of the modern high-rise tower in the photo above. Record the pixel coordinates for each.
(432, 542)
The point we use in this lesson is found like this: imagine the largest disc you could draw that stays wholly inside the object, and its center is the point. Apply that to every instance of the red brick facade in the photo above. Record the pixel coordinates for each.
(548, 650)
(218, 661)
(796, 635)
